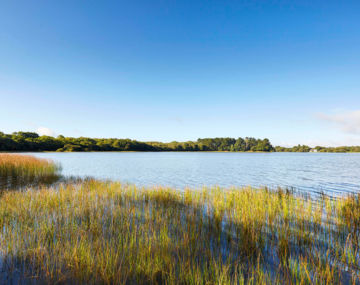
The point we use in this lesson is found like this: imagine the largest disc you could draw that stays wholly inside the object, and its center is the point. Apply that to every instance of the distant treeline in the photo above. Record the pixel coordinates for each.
(305, 148)
(29, 141)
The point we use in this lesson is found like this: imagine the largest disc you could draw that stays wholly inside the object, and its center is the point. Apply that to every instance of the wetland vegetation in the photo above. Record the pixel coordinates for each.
(91, 232)
(21, 170)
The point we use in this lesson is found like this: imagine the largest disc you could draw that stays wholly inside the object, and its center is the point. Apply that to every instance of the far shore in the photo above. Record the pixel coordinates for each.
(181, 151)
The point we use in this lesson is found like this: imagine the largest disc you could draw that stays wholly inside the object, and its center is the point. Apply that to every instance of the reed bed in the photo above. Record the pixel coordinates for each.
(19, 170)
(95, 232)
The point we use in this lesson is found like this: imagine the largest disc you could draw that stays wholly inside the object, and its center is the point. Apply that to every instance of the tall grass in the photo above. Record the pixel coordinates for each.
(96, 232)
(19, 170)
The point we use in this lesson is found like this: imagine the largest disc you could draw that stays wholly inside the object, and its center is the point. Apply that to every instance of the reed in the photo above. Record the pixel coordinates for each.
(94, 232)
(19, 170)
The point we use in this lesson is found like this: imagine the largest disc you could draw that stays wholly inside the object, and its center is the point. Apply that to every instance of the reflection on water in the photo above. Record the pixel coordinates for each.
(332, 173)
(16, 182)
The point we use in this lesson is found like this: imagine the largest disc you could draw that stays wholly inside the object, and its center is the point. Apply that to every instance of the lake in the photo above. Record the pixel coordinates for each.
(332, 173)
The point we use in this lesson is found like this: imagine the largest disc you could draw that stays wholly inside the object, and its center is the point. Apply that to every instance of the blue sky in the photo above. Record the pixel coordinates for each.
(180, 70)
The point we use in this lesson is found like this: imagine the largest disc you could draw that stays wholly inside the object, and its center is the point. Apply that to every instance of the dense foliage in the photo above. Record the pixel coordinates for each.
(305, 148)
(27, 141)
(338, 149)
(297, 148)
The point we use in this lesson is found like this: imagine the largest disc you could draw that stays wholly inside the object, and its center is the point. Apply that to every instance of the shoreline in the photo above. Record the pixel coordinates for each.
(178, 151)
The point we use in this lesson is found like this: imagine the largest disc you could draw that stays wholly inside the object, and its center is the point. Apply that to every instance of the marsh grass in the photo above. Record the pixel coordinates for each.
(94, 232)
(20, 170)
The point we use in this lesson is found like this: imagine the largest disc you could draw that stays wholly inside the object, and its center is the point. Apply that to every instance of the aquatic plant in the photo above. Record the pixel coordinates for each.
(94, 232)
(19, 170)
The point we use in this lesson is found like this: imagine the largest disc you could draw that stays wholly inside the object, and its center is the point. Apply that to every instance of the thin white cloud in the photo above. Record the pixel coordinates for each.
(43, 131)
(178, 120)
(347, 121)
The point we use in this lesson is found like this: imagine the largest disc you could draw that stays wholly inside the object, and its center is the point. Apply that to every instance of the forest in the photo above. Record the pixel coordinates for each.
(305, 148)
(30, 141)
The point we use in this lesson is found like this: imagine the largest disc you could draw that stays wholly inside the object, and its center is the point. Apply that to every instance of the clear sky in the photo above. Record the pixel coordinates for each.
(180, 70)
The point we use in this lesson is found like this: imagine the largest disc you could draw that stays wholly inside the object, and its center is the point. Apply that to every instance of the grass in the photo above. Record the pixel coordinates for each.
(104, 232)
(94, 232)
(20, 170)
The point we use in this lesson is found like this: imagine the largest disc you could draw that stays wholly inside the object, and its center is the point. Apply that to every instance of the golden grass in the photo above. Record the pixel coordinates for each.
(20, 170)
(96, 232)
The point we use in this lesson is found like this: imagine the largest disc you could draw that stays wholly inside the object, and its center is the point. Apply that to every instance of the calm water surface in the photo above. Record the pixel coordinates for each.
(332, 173)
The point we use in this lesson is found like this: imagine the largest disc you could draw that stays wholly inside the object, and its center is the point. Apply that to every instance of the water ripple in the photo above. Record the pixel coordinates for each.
(332, 173)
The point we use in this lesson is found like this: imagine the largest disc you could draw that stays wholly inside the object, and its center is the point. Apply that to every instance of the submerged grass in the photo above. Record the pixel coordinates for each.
(95, 232)
(20, 170)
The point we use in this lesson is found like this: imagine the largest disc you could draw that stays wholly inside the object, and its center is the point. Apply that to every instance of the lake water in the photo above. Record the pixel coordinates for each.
(332, 173)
